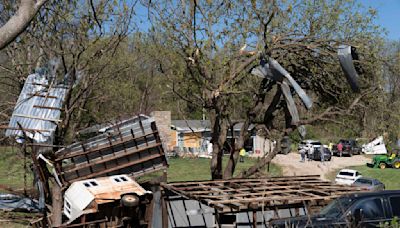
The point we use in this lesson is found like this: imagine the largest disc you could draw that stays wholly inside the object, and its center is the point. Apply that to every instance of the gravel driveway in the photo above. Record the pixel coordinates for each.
(292, 166)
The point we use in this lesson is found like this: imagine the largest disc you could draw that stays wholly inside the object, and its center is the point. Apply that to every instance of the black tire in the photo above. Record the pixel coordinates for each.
(130, 200)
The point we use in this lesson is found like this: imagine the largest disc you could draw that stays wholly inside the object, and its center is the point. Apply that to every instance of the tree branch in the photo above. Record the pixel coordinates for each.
(20, 21)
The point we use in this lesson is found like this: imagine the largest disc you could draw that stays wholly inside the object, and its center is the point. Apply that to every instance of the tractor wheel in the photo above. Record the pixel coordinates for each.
(130, 200)
(382, 165)
(396, 164)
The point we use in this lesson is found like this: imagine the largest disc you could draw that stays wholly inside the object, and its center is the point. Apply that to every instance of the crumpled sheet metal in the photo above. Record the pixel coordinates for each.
(28, 113)
(10, 202)
(346, 55)
(290, 103)
(275, 71)
(278, 69)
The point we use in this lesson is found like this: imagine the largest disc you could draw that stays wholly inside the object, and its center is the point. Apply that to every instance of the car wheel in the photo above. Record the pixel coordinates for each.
(130, 200)
(397, 164)
(382, 165)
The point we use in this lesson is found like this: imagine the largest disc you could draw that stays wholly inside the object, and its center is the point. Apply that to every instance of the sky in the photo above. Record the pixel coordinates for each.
(388, 15)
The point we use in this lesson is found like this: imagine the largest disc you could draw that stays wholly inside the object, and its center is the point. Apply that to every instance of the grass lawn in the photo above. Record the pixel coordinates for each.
(390, 177)
(12, 168)
(185, 169)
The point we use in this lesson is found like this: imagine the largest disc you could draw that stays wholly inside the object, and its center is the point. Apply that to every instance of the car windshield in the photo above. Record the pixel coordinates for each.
(344, 173)
(363, 181)
(337, 207)
(315, 143)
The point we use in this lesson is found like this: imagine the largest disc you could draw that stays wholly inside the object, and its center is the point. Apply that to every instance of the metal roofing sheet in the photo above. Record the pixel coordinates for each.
(38, 109)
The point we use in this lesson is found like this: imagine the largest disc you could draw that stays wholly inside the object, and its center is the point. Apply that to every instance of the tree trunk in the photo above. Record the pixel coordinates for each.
(20, 21)
(56, 195)
(230, 167)
(219, 134)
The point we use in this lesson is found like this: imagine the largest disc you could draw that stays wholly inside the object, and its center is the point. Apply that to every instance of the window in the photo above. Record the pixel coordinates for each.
(395, 204)
(91, 183)
(120, 179)
(371, 208)
(346, 173)
(364, 181)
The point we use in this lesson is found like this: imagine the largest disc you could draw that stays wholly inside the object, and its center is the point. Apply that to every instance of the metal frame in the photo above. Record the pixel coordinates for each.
(135, 149)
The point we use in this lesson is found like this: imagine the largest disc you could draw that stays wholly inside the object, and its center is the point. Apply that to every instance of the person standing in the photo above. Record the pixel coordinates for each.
(310, 152)
(242, 153)
(302, 154)
(340, 148)
(321, 149)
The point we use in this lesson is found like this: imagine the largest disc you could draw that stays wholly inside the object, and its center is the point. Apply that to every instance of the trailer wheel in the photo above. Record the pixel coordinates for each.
(130, 200)
(382, 165)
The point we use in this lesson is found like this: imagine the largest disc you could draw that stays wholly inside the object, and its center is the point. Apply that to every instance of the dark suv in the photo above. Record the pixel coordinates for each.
(354, 210)
(350, 148)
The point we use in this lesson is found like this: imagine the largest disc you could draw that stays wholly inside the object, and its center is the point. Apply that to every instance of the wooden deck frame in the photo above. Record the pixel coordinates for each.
(239, 195)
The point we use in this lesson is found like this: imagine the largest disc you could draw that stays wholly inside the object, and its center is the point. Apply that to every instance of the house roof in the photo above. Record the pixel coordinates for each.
(110, 125)
(200, 125)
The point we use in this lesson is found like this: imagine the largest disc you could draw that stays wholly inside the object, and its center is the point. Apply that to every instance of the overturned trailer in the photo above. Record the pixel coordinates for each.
(245, 202)
(133, 148)
(99, 175)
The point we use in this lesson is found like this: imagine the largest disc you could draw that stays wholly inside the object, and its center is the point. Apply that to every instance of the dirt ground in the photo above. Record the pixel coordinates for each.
(291, 164)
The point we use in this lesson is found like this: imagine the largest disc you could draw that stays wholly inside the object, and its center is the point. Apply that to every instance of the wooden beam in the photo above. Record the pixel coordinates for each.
(36, 118)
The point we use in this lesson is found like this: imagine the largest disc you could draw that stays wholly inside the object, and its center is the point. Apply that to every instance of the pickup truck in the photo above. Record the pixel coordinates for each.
(354, 210)
(350, 148)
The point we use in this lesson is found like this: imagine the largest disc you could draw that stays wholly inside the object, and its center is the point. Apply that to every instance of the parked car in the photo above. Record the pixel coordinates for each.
(317, 154)
(354, 210)
(369, 183)
(350, 148)
(347, 176)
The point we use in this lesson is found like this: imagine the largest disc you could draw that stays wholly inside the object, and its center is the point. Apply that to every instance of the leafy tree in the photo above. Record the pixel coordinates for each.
(219, 42)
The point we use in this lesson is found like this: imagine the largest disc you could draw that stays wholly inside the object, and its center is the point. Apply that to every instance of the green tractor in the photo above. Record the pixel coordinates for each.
(384, 160)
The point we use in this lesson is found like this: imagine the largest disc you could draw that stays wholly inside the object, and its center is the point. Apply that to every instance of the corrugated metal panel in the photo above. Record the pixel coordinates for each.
(132, 149)
(38, 108)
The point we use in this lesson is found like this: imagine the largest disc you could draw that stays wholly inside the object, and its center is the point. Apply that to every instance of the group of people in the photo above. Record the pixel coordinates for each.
(310, 152)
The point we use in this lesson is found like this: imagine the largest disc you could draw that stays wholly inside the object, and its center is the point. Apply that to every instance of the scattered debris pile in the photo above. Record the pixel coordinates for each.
(11, 202)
